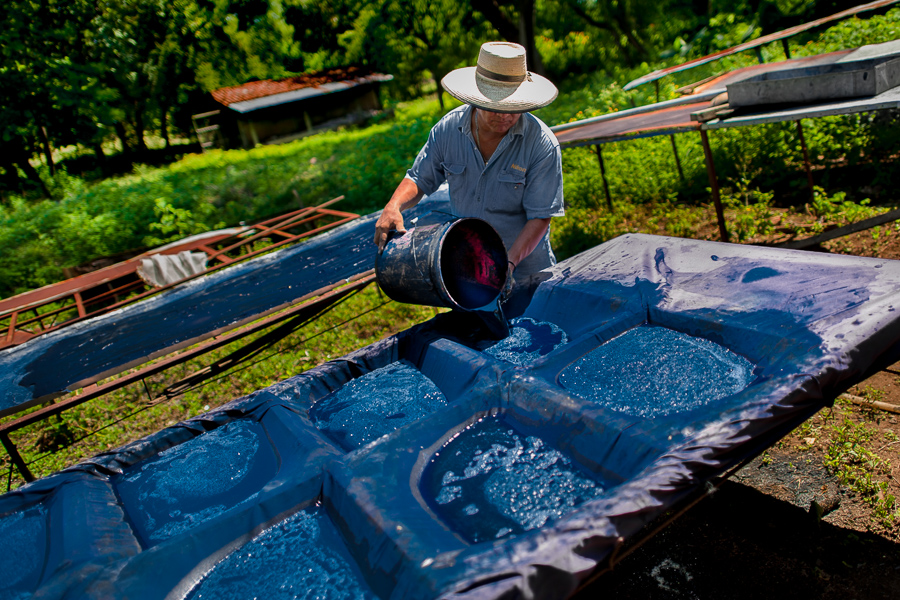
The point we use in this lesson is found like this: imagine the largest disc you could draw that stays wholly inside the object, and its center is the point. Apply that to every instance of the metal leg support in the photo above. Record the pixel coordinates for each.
(714, 186)
(603, 175)
(16, 457)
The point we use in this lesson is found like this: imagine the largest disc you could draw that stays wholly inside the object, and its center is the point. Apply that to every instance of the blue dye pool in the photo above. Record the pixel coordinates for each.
(301, 557)
(528, 341)
(197, 480)
(376, 404)
(652, 371)
(490, 481)
(24, 537)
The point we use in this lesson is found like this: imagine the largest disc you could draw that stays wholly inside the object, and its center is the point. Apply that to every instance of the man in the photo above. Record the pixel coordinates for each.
(501, 163)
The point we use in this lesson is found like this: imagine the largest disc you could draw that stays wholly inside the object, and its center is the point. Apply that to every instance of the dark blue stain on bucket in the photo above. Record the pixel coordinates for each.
(198, 480)
(528, 341)
(653, 371)
(24, 536)
(376, 404)
(301, 557)
(490, 481)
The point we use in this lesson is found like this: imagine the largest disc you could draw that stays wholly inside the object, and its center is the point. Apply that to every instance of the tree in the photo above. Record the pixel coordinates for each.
(409, 38)
(514, 20)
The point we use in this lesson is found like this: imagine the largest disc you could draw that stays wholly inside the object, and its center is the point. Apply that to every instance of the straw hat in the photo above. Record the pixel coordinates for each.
(501, 81)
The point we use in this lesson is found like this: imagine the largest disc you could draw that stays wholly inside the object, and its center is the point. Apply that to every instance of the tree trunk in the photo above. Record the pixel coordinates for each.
(164, 124)
(139, 128)
(526, 37)
(45, 145)
(32, 175)
(10, 178)
(491, 11)
(438, 76)
(101, 157)
(123, 137)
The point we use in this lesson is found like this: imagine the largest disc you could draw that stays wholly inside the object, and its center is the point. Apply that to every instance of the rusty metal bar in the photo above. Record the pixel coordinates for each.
(137, 283)
(11, 332)
(264, 229)
(345, 217)
(321, 296)
(714, 186)
(39, 317)
(603, 175)
(79, 304)
(15, 457)
(806, 163)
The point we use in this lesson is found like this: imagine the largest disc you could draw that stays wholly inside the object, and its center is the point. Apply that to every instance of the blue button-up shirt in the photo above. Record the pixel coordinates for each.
(522, 180)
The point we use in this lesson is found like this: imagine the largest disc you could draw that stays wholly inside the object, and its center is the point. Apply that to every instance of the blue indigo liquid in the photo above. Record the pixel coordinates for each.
(528, 341)
(301, 557)
(197, 480)
(24, 536)
(490, 481)
(376, 404)
(652, 371)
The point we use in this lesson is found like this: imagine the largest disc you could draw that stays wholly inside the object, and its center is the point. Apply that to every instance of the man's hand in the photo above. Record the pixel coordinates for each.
(390, 220)
(405, 196)
(510, 282)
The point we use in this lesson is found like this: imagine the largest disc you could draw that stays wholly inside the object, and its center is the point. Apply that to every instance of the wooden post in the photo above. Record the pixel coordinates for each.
(714, 186)
(787, 50)
(809, 176)
(603, 175)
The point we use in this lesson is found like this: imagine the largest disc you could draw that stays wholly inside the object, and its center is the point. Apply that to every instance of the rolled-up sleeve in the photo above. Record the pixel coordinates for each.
(427, 171)
(544, 192)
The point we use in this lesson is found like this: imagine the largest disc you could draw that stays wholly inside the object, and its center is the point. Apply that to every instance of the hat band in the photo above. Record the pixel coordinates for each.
(498, 76)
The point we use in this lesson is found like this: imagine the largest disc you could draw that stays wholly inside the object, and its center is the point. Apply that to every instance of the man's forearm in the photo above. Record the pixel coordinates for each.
(405, 196)
(528, 239)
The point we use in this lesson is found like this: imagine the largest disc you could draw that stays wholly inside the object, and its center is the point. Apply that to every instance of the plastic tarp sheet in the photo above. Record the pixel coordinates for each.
(320, 476)
(69, 358)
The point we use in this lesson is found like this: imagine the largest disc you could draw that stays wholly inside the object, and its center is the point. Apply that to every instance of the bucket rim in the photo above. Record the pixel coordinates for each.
(441, 285)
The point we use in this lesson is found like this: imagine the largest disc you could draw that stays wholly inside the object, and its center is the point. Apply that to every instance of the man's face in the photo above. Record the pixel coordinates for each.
(496, 123)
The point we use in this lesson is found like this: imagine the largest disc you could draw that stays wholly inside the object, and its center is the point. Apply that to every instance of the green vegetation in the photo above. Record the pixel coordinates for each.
(852, 443)
(852, 457)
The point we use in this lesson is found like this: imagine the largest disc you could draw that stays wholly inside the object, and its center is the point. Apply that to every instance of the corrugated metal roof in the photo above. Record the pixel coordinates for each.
(772, 37)
(272, 92)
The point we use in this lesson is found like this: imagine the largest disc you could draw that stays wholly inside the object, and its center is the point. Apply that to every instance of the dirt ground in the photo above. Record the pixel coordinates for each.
(786, 525)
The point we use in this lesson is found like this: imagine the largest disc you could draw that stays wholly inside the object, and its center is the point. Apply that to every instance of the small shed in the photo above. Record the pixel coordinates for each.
(281, 110)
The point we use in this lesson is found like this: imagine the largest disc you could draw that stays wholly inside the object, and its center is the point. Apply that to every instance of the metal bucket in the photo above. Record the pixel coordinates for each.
(459, 264)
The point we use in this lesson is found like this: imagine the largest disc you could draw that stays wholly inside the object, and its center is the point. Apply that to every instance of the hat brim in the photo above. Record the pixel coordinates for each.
(466, 86)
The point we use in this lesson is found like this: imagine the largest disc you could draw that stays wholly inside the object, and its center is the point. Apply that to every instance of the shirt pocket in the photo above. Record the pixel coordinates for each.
(456, 176)
(509, 192)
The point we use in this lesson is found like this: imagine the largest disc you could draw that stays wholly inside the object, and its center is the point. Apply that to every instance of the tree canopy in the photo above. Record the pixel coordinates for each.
(85, 73)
